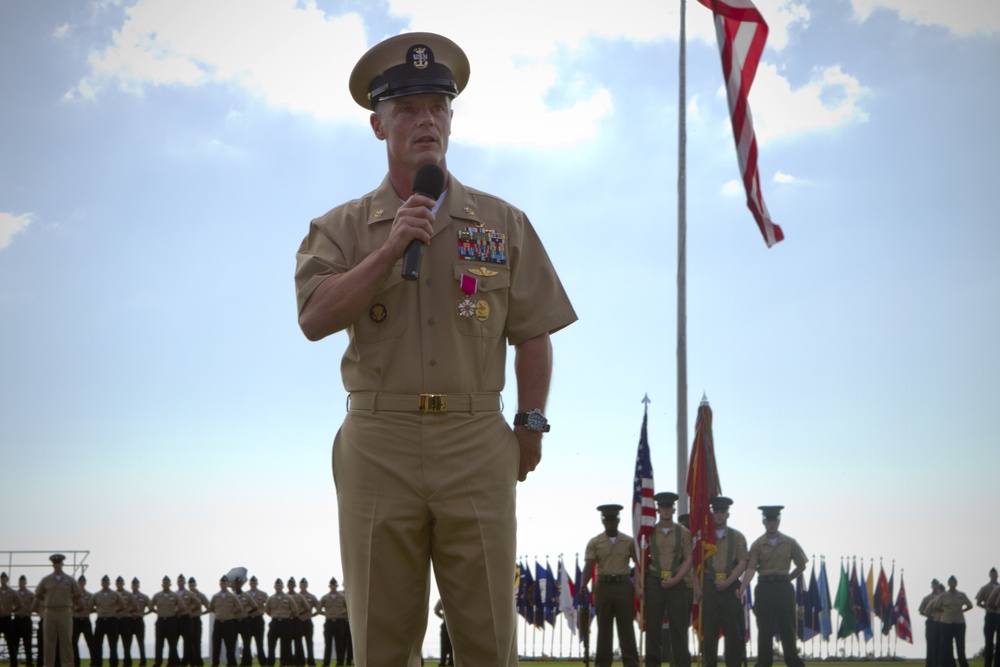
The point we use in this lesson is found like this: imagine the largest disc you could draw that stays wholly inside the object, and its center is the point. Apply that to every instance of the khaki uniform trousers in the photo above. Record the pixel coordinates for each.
(415, 489)
(58, 628)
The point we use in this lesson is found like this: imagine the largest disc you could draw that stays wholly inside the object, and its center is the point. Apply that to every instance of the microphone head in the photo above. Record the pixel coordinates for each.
(429, 181)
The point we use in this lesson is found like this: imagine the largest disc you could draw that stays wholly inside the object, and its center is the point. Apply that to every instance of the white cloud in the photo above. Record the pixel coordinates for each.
(733, 188)
(961, 17)
(11, 224)
(781, 177)
(829, 100)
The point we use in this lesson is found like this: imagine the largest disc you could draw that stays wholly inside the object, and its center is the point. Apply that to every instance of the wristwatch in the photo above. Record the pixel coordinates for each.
(533, 420)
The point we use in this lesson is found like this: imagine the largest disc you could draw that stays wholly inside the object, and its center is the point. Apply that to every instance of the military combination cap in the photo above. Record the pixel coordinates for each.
(409, 64)
(771, 511)
(720, 502)
(57, 558)
(610, 510)
(666, 498)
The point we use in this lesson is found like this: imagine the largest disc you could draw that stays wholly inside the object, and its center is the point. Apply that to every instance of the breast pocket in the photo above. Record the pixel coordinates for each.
(483, 314)
(388, 311)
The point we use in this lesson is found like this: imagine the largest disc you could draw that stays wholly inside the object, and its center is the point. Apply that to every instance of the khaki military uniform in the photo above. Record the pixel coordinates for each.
(721, 608)
(614, 597)
(57, 595)
(82, 626)
(951, 605)
(167, 606)
(227, 608)
(310, 603)
(140, 604)
(9, 603)
(22, 628)
(440, 484)
(334, 608)
(282, 609)
(775, 596)
(668, 546)
(987, 599)
(109, 605)
(197, 602)
(256, 621)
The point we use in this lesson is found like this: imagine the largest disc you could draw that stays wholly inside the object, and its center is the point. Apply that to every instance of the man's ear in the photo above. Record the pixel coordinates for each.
(376, 124)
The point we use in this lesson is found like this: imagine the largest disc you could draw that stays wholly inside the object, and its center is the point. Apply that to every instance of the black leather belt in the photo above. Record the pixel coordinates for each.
(612, 578)
(774, 578)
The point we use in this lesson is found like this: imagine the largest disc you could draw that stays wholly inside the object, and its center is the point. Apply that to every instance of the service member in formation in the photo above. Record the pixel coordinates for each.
(296, 623)
(720, 601)
(81, 623)
(991, 624)
(282, 609)
(310, 609)
(666, 587)
(57, 595)
(197, 604)
(227, 609)
(125, 621)
(614, 595)
(257, 621)
(108, 605)
(334, 608)
(184, 622)
(243, 622)
(167, 606)
(771, 555)
(22, 624)
(140, 607)
(953, 604)
(9, 603)
(425, 364)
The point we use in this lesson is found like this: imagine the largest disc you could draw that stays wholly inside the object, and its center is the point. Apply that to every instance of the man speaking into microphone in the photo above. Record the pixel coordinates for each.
(425, 465)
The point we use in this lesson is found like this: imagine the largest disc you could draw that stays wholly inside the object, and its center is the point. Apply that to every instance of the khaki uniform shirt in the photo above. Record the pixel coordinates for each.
(716, 564)
(129, 603)
(107, 604)
(281, 606)
(986, 597)
(611, 558)
(140, 603)
(950, 604)
(185, 595)
(59, 592)
(196, 600)
(419, 331)
(9, 601)
(993, 601)
(166, 604)
(85, 602)
(27, 602)
(260, 597)
(310, 603)
(226, 606)
(334, 605)
(300, 605)
(669, 557)
(766, 559)
(249, 604)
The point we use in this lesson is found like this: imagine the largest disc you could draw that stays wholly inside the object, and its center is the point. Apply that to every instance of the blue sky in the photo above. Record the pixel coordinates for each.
(162, 160)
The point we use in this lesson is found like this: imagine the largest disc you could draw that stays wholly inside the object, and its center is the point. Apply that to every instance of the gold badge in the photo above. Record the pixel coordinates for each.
(378, 313)
(482, 310)
(483, 271)
(469, 211)
(378, 213)
(421, 59)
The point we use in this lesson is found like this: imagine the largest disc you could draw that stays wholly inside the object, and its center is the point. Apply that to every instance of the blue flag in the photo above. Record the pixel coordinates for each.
(825, 623)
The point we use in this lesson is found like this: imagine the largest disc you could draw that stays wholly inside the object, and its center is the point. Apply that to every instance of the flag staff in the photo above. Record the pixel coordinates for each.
(682, 429)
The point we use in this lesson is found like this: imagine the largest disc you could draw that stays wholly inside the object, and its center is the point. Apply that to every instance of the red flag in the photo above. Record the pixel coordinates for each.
(902, 613)
(742, 32)
(702, 484)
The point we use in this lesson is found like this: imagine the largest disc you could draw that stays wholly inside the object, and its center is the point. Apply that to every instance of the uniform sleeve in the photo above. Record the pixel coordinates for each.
(741, 548)
(591, 551)
(686, 543)
(319, 257)
(537, 301)
(754, 557)
(798, 555)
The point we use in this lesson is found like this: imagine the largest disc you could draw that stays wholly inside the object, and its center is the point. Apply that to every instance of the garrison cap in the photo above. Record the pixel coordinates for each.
(119, 578)
(278, 581)
(291, 581)
(253, 578)
(333, 580)
(106, 578)
(57, 558)
(21, 578)
(303, 580)
(166, 578)
(666, 498)
(224, 578)
(3, 575)
(993, 570)
(610, 510)
(192, 580)
(409, 64)
(771, 511)
(720, 502)
(135, 580)
(82, 579)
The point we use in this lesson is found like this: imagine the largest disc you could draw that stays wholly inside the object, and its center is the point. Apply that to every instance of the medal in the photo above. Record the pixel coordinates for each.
(466, 308)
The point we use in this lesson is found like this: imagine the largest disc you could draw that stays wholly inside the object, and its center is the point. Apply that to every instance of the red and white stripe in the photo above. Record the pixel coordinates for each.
(742, 32)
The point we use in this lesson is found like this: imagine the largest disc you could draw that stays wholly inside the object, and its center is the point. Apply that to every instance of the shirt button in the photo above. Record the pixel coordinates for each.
(430, 322)
(433, 362)
(427, 282)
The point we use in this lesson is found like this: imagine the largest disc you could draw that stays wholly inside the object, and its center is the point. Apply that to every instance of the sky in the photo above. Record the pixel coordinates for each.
(162, 159)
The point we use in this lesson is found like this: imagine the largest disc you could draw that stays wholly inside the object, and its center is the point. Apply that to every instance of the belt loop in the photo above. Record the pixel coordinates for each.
(472, 404)
(501, 402)
(347, 403)
(374, 401)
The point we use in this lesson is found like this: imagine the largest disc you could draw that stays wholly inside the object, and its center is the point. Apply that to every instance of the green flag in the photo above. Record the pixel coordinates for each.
(842, 604)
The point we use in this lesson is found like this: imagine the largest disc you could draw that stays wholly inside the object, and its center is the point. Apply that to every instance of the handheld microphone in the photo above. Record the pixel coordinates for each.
(428, 182)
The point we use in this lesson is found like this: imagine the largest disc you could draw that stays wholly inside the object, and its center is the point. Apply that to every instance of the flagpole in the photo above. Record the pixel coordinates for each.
(682, 428)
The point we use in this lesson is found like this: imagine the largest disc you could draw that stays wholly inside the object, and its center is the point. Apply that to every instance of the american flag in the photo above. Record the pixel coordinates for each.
(742, 32)
(643, 507)
(902, 613)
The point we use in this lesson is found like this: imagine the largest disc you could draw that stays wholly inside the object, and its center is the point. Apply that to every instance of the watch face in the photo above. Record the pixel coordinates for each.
(536, 422)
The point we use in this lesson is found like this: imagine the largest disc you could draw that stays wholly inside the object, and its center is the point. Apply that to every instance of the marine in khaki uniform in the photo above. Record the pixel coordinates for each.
(425, 465)
(281, 608)
(296, 623)
(9, 603)
(333, 605)
(243, 622)
(614, 596)
(140, 607)
(991, 622)
(257, 621)
(228, 609)
(953, 604)
(771, 555)
(720, 603)
(22, 624)
(81, 623)
(197, 603)
(108, 605)
(666, 585)
(309, 609)
(57, 595)
(184, 623)
(167, 606)
(125, 631)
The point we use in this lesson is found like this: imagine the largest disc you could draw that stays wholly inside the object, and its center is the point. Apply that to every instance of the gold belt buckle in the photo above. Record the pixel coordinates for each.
(666, 574)
(434, 402)
(720, 576)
